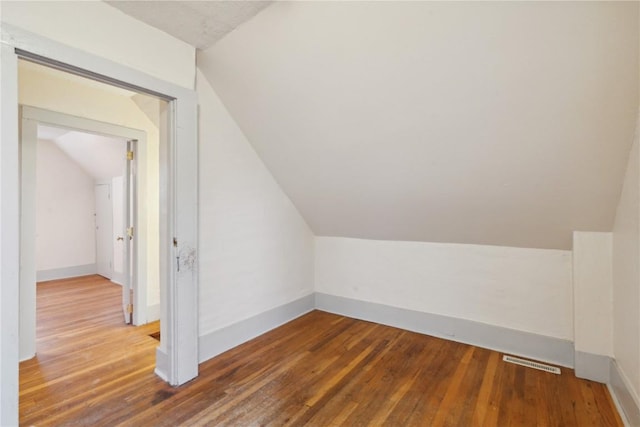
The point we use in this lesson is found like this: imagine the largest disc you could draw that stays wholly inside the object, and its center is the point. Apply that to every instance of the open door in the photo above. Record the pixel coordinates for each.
(130, 263)
(104, 232)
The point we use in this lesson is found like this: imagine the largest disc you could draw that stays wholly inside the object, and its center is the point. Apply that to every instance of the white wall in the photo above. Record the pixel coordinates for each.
(53, 92)
(256, 251)
(524, 289)
(96, 27)
(100, 156)
(593, 292)
(65, 208)
(626, 276)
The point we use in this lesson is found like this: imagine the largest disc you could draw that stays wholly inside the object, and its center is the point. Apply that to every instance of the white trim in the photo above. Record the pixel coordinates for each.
(533, 346)
(31, 117)
(81, 124)
(153, 313)
(179, 293)
(66, 272)
(28, 150)
(224, 339)
(9, 237)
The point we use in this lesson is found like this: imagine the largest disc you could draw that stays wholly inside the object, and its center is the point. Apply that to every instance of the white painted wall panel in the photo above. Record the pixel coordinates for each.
(524, 289)
(593, 292)
(626, 275)
(65, 207)
(256, 251)
(95, 27)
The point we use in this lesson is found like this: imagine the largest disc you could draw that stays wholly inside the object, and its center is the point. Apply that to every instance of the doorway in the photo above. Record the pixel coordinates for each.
(85, 211)
(177, 356)
(92, 144)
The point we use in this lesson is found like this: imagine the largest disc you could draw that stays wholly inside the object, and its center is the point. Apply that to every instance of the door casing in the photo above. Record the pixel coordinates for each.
(177, 356)
(31, 117)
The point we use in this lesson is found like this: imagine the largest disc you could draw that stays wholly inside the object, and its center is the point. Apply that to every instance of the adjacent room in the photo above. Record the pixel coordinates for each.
(359, 213)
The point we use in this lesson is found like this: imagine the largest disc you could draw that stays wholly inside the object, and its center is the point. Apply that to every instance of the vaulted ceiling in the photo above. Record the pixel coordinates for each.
(101, 157)
(504, 123)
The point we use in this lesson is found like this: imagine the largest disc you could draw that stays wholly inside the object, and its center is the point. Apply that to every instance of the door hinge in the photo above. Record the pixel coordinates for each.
(129, 308)
(130, 232)
(129, 155)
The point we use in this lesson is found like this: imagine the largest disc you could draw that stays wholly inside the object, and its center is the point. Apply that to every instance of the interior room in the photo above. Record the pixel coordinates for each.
(368, 213)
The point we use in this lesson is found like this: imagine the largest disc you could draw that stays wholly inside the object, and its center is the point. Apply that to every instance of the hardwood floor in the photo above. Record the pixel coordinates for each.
(318, 370)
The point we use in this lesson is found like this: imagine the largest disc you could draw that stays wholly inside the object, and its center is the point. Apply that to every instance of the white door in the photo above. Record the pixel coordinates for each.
(130, 263)
(117, 198)
(104, 231)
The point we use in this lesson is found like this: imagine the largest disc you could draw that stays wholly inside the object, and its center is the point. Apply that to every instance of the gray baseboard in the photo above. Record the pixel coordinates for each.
(525, 344)
(66, 272)
(117, 278)
(216, 342)
(592, 367)
(162, 364)
(621, 393)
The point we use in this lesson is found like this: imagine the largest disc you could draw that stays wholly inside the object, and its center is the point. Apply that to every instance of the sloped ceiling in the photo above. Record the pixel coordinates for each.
(503, 123)
(101, 157)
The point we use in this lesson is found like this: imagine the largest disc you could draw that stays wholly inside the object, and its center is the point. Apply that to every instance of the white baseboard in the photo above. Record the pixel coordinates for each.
(623, 396)
(216, 342)
(66, 272)
(153, 313)
(539, 347)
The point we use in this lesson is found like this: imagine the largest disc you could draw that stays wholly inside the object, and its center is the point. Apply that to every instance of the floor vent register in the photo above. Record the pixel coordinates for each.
(532, 364)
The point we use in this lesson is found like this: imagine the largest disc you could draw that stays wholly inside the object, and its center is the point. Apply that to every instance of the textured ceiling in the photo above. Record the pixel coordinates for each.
(199, 23)
(503, 123)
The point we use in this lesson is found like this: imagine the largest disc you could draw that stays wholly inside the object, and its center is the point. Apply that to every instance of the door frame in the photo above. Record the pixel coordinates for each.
(30, 118)
(177, 356)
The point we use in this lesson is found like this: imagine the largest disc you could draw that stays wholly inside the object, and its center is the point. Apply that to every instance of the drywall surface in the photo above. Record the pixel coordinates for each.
(523, 289)
(102, 30)
(502, 123)
(99, 156)
(626, 277)
(53, 91)
(65, 207)
(256, 250)
(593, 293)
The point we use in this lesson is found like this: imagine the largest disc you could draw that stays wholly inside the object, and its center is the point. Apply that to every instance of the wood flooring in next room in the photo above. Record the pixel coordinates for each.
(318, 370)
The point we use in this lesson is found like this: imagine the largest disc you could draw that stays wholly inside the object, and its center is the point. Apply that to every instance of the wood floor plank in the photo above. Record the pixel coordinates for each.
(318, 370)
